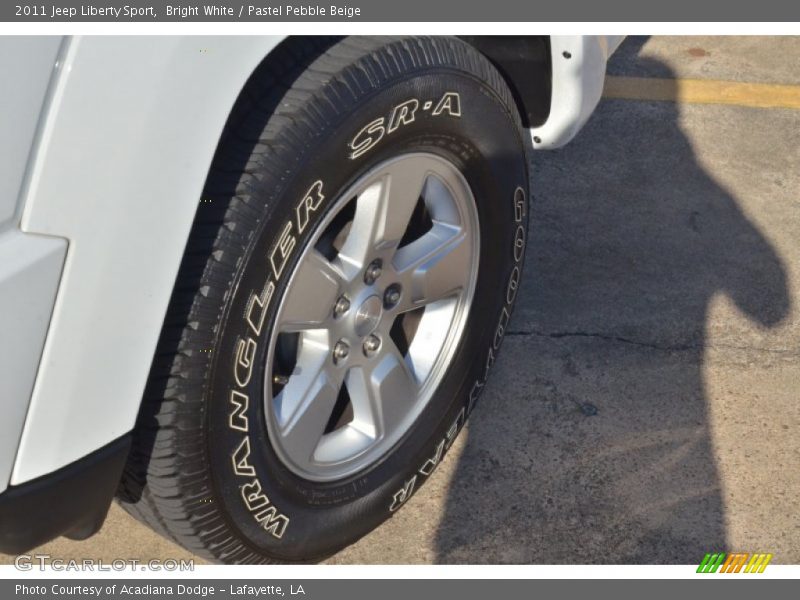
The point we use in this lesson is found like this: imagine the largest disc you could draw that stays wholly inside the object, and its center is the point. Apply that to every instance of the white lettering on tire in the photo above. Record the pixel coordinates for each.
(400, 115)
(255, 499)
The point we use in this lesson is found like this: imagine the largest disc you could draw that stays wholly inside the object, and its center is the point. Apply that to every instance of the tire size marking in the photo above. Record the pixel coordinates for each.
(404, 113)
(401, 496)
(252, 492)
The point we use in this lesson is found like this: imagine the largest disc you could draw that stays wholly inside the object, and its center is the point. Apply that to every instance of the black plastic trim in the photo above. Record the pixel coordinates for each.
(524, 62)
(72, 501)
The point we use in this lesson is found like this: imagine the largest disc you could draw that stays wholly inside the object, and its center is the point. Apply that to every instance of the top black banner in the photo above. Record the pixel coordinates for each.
(403, 11)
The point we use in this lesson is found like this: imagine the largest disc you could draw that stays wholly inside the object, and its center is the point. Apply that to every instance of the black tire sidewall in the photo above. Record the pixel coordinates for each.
(311, 520)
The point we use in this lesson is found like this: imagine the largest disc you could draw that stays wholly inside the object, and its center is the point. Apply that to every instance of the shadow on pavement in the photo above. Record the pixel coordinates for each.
(597, 449)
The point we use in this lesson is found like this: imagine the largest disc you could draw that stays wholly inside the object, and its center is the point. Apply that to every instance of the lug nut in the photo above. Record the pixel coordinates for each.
(340, 351)
(371, 345)
(341, 307)
(392, 296)
(373, 271)
(280, 379)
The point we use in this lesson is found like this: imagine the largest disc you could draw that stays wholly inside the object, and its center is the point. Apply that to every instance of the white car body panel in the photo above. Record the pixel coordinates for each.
(577, 80)
(30, 266)
(123, 153)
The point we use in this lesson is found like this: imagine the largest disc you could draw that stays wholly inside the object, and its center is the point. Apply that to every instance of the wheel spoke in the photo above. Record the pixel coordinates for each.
(305, 405)
(383, 211)
(433, 267)
(382, 393)
(312, 294)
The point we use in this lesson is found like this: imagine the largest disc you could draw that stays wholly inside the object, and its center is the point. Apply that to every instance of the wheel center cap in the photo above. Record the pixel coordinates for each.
(368, 316)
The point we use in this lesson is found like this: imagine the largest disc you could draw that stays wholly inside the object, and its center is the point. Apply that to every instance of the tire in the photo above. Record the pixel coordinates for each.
(210, 467)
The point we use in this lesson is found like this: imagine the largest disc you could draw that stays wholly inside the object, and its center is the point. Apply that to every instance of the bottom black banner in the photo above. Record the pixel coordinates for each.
(378, 589)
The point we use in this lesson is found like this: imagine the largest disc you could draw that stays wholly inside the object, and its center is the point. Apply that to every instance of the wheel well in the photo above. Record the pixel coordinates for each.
(523, 61)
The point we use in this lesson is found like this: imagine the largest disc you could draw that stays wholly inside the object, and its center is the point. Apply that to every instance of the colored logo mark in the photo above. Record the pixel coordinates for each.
(735, 562)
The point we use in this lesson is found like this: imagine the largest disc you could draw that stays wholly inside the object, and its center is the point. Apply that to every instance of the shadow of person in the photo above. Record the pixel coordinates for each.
(591, 443)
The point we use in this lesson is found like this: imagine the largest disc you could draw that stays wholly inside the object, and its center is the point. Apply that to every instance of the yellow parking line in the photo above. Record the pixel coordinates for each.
(703, 91)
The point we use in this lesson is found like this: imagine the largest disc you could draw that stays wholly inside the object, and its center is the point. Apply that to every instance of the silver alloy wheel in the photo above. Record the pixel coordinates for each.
(371, 317)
